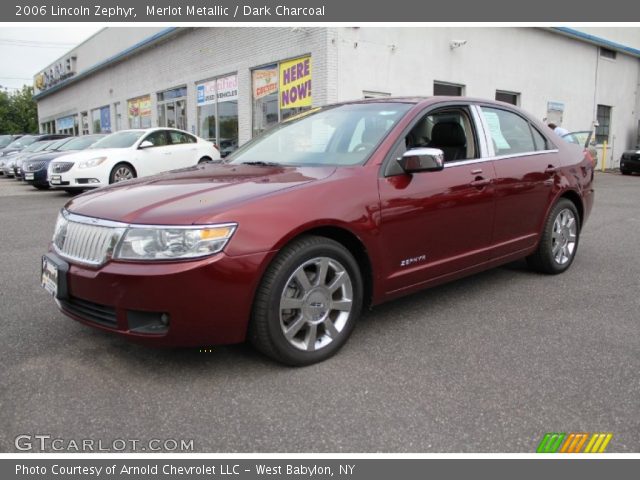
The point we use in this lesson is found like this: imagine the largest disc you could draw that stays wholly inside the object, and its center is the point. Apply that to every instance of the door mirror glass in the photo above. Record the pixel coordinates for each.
(146, 144)
(422, 160)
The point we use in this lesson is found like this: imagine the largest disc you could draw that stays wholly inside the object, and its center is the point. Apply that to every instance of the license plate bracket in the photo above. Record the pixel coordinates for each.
(56, 179)
(28, 176)
(53, 276)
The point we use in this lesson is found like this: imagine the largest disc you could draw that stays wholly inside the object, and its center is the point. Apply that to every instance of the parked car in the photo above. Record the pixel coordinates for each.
(630, 161)
(35, 168)
(20, 144)
(585, 139)
(7, 139)
(129, 154)
(300, 229)
(14, 163)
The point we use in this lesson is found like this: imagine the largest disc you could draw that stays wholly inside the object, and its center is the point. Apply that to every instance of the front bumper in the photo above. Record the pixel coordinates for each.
(36, 178)
(77, 179)
(207, 301)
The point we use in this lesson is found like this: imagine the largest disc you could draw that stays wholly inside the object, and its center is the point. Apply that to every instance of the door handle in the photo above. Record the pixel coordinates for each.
(550, 169)
(480, 182)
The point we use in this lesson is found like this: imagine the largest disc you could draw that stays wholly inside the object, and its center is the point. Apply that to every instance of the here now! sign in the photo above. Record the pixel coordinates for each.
(295, 83)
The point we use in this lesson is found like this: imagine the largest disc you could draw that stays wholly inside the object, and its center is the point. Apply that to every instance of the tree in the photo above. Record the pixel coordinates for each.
(18, 111)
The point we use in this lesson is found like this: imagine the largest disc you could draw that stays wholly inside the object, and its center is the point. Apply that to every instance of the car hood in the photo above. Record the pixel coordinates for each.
(97, 152)
(47, 156)
(194, 195)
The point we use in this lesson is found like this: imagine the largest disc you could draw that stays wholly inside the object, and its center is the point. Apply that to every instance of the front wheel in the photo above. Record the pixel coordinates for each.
(559, 241)
(121, 172)
(625, 172)
(308, 302)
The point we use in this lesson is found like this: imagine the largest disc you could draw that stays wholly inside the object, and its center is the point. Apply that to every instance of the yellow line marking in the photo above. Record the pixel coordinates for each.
(596, 445)
(591, 442)
(607, 439)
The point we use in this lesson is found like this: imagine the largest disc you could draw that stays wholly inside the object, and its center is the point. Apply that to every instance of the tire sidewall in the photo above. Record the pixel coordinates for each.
(562, 204)
(289, 353)
(116, 167)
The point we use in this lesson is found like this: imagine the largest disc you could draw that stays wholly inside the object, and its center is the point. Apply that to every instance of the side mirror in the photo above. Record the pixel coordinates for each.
(145, 144)
(422, 160)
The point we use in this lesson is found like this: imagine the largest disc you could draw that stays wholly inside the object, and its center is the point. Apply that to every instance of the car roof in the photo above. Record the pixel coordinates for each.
(426, 100)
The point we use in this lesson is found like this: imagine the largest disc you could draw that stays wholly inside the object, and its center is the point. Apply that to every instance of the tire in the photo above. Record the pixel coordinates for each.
(121, 172)
(72, 191)
(560, 238)
(205, 160)
(41, 187)
(625, 172)
(312, 305)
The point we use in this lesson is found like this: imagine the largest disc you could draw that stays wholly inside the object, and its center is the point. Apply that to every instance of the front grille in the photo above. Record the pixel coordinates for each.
(61, 167)
(92, 312)
(33, 166)
(84, 239)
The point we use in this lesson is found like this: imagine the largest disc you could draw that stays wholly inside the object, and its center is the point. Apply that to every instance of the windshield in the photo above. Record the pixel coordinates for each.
(56, 144)
(5, 140)
(37, 146)
(579, 138)
(119, 140)
(22, 142)
(80, 143)
(341, 135)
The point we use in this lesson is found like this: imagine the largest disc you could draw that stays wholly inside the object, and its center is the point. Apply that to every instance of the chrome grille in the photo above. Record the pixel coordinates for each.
(84, 239)
(61, 167)
(33, 166)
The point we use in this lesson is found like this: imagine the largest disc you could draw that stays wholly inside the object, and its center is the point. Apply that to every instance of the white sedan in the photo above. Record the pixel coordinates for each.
(129, 154)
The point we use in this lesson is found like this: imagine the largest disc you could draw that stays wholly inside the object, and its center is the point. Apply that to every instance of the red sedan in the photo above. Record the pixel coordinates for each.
(342, 208)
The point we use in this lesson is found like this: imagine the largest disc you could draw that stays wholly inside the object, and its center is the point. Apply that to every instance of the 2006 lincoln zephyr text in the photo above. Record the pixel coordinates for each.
(339, 208)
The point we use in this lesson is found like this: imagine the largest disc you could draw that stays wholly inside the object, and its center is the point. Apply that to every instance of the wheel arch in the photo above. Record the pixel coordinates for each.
(348, 239)
(574, 197)
(123, 162)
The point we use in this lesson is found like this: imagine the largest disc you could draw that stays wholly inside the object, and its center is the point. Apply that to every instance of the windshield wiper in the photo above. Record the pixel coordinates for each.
(262, 164)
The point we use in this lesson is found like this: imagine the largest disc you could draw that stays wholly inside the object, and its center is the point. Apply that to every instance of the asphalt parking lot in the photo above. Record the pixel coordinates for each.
(486, 364)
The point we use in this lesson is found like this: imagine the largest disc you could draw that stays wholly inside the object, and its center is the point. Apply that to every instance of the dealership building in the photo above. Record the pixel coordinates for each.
(229, 84)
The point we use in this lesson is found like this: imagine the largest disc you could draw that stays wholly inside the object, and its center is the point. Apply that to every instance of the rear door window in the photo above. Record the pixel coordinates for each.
(511, 134)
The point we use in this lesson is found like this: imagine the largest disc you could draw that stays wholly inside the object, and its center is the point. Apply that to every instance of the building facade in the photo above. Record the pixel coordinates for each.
(228, 84)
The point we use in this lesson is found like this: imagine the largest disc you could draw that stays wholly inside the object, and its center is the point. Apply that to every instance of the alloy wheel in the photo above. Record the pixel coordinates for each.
(564, 236)
(316, 303)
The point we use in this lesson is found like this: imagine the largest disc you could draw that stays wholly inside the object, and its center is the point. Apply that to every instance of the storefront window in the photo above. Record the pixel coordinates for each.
(67, 125)
(218, 112)
(101, 120)
(139, 112)
(281, 91)
(172, 108)
(84, 120)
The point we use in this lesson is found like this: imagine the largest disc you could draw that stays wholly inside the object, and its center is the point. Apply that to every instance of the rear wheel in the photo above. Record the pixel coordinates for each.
(308, 302)
(121, 172)
(559, 241)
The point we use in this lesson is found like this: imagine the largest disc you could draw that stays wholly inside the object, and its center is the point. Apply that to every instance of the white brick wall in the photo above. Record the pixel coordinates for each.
(192, 55)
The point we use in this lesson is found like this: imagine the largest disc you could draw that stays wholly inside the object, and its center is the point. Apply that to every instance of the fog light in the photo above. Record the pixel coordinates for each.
(94, 180)
(148, 322)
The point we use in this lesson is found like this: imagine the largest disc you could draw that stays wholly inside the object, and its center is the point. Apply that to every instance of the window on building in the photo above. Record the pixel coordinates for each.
(448, 89)
(139, 112)
(84, 122)
(604, 122)
(607, 53)
(101, 120)
(217, 102)
(172, 108)
(508, 97)
(511, 134)
(117, 111)
(281, 91)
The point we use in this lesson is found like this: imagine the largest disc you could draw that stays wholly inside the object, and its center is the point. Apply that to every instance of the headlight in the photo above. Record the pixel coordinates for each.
(168, 243)
(93, 162)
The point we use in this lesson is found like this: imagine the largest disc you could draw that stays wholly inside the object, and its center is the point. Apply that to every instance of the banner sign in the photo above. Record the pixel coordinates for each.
(265, 81)
(224, 89)
(139, 107)
(295, 83)
(105, 119)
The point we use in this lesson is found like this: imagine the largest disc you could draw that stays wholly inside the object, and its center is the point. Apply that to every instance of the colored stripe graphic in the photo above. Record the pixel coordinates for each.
(573, 442)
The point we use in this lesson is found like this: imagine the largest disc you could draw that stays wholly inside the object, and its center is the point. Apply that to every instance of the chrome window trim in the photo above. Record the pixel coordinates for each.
(497, 158)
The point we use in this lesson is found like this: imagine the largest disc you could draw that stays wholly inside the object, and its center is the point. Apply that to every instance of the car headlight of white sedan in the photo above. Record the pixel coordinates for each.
(92, 162)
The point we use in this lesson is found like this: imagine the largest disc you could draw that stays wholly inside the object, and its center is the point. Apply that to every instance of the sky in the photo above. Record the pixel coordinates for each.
(27, 50)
